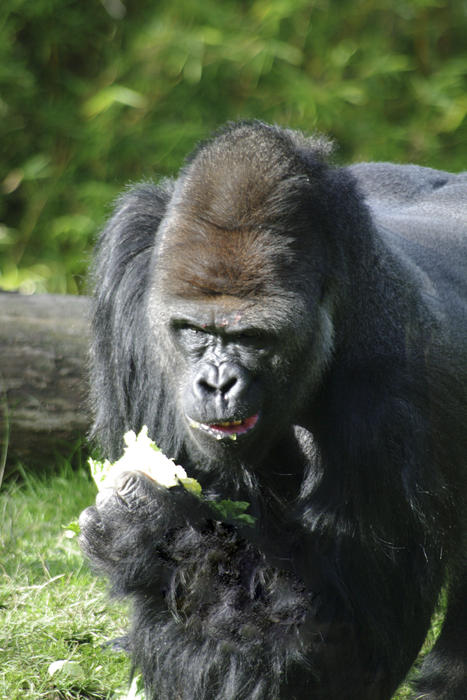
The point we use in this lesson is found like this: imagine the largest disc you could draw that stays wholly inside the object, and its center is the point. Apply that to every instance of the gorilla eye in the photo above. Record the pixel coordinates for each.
(248, 336)
(193, 331)
(254, 335)
(189, 334)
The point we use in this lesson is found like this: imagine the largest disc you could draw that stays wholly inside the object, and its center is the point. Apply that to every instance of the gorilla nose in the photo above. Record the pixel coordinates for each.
(226, 380)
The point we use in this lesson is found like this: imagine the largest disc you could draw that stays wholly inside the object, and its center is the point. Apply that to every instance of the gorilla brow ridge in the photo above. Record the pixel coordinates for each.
(240, 265)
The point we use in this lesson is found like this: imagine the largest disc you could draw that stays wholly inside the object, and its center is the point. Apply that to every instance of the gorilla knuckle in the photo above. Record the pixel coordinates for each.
(89, 519)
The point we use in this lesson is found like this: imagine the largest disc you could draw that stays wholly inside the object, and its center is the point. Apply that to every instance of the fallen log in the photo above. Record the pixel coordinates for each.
(43, 376)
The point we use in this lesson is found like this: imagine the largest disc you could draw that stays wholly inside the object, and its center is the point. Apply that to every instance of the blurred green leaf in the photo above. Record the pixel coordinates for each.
(108, 96)
(37, 167)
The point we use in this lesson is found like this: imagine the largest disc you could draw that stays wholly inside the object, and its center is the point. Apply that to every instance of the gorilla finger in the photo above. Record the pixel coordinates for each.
(131, 496)
(90, 520)
(94, 536)
(134, 487)
(127, 487)
(111, 507)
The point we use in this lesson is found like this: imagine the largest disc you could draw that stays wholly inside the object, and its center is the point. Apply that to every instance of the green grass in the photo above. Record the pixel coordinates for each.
(51, 606)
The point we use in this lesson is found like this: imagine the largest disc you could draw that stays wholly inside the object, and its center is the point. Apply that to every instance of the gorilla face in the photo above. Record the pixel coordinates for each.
(230, 371)
(240, 365)
(222, 394)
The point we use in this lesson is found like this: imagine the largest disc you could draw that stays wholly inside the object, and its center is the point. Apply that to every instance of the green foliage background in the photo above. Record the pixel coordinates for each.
(97, 93)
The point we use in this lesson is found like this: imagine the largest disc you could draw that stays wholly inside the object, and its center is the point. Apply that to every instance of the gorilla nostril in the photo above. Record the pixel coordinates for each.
(213, 380)
(228, 385)
(211, 388)
(205, 387)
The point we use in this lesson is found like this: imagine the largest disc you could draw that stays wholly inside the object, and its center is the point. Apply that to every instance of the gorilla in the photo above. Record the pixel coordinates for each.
(294, 334)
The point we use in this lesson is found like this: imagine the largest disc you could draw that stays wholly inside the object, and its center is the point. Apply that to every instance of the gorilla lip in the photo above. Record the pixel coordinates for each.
(231, 429)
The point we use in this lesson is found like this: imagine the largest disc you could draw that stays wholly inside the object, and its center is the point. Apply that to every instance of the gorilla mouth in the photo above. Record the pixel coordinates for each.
(227, 429)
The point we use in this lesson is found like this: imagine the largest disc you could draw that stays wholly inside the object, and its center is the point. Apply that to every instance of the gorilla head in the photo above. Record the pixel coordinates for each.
(237, 295)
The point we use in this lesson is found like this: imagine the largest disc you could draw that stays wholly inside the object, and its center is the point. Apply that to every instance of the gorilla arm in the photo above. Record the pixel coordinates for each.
(216, 586)
(242, 612)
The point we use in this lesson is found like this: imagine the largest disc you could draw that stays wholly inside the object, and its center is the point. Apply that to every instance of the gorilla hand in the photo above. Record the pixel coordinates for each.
(127, 534)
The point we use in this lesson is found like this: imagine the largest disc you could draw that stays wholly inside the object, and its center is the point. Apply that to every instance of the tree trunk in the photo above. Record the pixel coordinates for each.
(43, 376)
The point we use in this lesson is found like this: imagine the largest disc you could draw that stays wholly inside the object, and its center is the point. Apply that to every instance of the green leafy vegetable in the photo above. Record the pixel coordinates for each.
(142, 454)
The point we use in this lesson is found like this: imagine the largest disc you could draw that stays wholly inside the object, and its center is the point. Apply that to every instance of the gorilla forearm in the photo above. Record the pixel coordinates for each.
(193, 577)
(139, 530)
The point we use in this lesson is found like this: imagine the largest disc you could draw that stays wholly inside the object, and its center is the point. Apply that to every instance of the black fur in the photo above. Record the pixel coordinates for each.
(331, 303)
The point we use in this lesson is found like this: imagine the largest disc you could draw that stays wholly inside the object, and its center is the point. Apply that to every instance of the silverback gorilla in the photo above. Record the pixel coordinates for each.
(295, 335)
